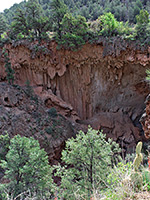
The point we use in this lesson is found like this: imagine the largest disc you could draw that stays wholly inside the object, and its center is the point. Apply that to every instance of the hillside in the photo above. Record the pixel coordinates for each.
(123, 10)
(74, 76)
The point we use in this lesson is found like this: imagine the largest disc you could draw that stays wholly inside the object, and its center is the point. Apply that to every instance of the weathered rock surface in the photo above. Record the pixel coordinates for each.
(84, 86)
(25, 114)
(145, 119)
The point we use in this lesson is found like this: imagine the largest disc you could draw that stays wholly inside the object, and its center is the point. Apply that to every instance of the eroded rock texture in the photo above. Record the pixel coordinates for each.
(145, 119)
(25, 114)
(106, 92)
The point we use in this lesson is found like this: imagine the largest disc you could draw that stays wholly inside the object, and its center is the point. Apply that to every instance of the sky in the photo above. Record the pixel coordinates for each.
(5, 4)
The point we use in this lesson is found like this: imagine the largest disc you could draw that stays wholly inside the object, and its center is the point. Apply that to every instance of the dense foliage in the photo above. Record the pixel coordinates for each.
(123, 10)
(91, 168)
(90, 159)
(26, 170)
(30, 21)
(72, 23)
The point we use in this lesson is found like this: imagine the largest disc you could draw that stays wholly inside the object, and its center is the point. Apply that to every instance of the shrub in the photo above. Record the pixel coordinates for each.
(49, 130)
(109, 26)
(148, 75)
(52, 112)
(119, 181)
(4, 145)
(142, 26)
(146, 179)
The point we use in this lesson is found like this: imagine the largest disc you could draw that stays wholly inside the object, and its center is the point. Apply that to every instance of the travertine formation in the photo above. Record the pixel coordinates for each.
(106, 92)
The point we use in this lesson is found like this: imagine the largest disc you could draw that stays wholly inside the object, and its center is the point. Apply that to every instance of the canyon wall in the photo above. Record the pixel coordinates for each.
(107, 92)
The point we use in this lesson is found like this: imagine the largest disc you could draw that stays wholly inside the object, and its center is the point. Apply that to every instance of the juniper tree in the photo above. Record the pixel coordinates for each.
(26, 169)
(3, 25)
(58, 10)
(89, 158)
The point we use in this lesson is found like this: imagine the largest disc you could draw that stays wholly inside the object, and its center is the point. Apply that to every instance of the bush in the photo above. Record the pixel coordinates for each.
(52, 112)
(146, 179)
(148, 75)
(142, 26)
(4, 145)
(109, 26)
(119, 181)
(49, 130)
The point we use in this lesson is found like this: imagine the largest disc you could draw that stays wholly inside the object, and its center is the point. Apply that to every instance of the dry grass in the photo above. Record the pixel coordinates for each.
(140, 196)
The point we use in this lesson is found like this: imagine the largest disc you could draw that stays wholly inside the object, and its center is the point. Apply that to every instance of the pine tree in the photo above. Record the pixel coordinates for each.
(73, 31)
(58, 10)
(20, 24)
(34, 12)
(3, 25)
(142, 25)
(26, 169)
(90, 158)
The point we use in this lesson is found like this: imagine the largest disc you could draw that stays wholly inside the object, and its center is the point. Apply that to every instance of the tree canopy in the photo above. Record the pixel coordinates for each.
(72, 23)
(26, 169)
(89, 159)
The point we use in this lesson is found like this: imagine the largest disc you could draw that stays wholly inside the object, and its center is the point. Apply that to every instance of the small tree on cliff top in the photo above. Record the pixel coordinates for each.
(59, 9)
(142, 25)
(90, 158)
(3, 25)
(73, 30)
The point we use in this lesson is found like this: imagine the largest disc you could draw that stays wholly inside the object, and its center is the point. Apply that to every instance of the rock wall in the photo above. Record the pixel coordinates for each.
(145, 119)
(106, 92)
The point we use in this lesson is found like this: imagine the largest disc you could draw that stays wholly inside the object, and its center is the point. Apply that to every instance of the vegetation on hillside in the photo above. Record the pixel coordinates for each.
(123, 10)
(91, 169)
(72, 23)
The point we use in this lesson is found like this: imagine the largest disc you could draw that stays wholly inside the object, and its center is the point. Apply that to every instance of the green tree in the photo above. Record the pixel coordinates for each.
(20, 24)
(58, 10)
(4, 145)
(109, 26)
(34, 12)
(3, 25)
(42, 26)
(142, 26)
(30, 22)
(26, 169)
(73, 30)
(89, 159)
(137, 7)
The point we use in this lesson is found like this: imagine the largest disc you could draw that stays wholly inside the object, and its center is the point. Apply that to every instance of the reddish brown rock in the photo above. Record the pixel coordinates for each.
(28, 116)
(145, 119)
(105, 91)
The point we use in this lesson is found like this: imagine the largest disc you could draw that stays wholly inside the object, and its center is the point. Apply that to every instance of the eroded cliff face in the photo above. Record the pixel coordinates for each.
(145, 119)
(106, 92)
